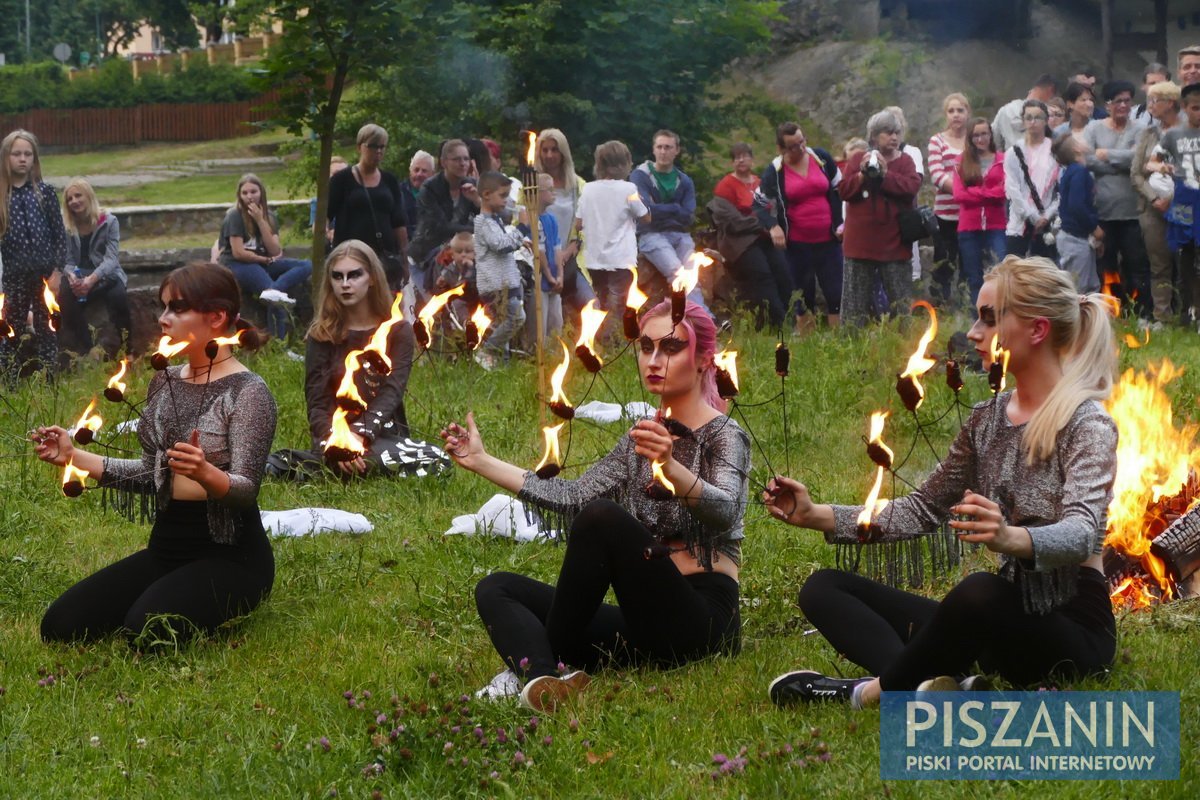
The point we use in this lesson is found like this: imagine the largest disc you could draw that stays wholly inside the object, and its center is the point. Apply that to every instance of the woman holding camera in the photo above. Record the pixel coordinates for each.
(1029, 477)
(878, 184)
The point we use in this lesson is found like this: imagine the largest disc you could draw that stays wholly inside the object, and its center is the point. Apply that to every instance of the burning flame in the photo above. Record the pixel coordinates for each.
(551, 457)
(591, 318)
(1155, 460)
(1110, 279)
(919, 363)
(558, 376)
(999, 356)
(436, 303)
(635, 299)
(347, 390)
(689, 274)
(51, 304)
(341, 438)
(876, 449)
(5, 328)
(482, 322)
(532, 151)
(727, 360)
(378, 343)
(873, 505)
(230, 341)
(115, 383)
(73, 478)
(168, 349)
(656, 472)
(88, 420)
(1133, 344)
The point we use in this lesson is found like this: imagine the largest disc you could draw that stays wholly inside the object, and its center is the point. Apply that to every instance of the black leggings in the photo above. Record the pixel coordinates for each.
(75, 334)
(182, 574)
(904, 638)
(661, 617)
(763, 281)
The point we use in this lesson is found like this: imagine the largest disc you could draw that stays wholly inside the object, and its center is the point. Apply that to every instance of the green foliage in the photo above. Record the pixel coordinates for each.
(111, 85)
(260, 710)
(97, 27)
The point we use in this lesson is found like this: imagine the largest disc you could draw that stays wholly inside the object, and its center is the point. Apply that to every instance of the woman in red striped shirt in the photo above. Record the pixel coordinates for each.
(945, 150)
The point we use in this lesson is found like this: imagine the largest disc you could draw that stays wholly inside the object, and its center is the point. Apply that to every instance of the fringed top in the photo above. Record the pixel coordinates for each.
(235, 416)
(717, 453)
(1062, 501)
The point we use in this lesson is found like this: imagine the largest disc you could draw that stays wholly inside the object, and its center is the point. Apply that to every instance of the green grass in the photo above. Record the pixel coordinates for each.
(159, 154)
(243, 714)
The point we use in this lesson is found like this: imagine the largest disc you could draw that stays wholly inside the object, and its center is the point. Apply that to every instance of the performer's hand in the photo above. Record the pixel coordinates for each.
(188, 460)
(464, 445)
(987, 526)
(652, 441)
(355, 466)
(788, 500)
(52, 444)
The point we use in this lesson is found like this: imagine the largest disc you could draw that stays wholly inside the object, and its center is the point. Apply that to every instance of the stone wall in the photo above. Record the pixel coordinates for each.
(182, 218)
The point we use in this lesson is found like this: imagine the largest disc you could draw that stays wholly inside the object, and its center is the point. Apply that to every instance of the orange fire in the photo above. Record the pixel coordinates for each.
(551, 460)
(73, 478)
(228, 341)
(1000, 356)
(51, 304)
(558, 376)
(532, 150)
(341, 438)
(727, 360)
(169, 349)
(919, 363)
(635, 299)
(656, 472)
(879, 452)
(378, 343)
(436, 303)
(1154, 462)
(88, 420)
(1110, 280)
(873, 505)
(591, 318)
(1133, 344)
(115, 389)
(482, 322)
(347, 390)
(689, 274)
(5, 328)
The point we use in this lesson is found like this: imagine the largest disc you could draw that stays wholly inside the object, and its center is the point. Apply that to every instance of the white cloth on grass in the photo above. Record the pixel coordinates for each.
(306, 521)
(599, 411)
(504, 516)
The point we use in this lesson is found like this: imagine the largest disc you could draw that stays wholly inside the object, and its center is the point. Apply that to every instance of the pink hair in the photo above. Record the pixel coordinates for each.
(702, 344)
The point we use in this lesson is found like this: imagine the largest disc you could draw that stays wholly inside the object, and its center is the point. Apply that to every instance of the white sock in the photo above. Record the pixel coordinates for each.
(856, 701)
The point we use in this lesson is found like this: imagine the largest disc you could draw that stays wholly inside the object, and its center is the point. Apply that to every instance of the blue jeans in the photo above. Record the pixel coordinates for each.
(283, 274)
(667, 251)
(974, 247)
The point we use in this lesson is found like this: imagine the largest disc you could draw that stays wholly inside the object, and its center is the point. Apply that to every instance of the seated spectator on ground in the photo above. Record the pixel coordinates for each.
(353, 302)
(367, 203)
(92, 273)
(250, 248)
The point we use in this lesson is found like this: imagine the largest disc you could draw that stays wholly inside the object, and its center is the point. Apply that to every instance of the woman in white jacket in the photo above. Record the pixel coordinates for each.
(1031, 186)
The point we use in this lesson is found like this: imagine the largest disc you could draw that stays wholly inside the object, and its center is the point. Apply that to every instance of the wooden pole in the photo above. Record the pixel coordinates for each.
(530, 191)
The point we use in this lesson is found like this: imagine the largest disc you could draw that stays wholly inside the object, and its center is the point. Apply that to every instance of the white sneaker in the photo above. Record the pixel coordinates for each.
(486, 360)
(276, 296)
(505, 684)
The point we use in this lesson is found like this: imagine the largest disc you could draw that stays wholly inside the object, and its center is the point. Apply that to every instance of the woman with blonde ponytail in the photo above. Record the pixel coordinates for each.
(1030, 477)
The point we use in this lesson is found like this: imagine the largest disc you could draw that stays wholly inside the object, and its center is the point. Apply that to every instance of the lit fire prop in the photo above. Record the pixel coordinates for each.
(167, 349)
(114, 392)
(685, 281)
(954, 375)
(727, 376)
(879, 452)
(999, 367)
(52, 310)
(6, 330)
(559, 403)
(423, 327)
(867, 529)
(659, 488)
(591, 318)
(783, 360)
(343, 444)
(375, 353)
(476, 327)
(347, 393)
(908, 383)
(531, 150)
(88, 424)
(551, 463)
(213, 346)
(634, 301)
(73, 478)
(1157, 465)
(1133, 344)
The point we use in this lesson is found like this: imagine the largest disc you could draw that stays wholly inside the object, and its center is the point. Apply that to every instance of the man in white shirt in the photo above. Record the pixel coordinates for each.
(1007, 127)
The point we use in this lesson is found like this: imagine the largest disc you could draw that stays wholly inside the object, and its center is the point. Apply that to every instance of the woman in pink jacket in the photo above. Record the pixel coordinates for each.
(979, 192)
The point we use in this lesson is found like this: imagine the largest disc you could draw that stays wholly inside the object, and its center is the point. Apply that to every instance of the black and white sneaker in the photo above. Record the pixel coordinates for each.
(808, 686)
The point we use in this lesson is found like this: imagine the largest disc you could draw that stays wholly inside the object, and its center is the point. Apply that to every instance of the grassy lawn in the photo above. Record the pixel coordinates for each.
(159, 154)
(388, 621)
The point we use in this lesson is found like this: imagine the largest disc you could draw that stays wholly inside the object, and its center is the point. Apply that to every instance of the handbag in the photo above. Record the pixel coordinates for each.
(916, 224)
(395, 266)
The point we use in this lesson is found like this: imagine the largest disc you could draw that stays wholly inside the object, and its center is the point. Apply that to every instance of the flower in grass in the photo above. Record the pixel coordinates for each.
(141, 741)
(518, 758)
(94, 741)
(372, 770)
(448, 747)
(324, 743)
(349, 695)
(573, 725)
(333, 791)
(562, 668)
(380, 718)
(494, 775)
(523, 664)
(366, 695)
(434, 680)
(501, 736)
(548, 740)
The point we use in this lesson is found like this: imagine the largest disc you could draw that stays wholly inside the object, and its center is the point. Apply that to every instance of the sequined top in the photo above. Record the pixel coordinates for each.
(1062, 501)
(235, 416)
(717, 453)
(324, 368)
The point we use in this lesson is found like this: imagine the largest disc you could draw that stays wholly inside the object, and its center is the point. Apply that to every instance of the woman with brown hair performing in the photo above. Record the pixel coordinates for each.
(205, 431)
(1030, 477)
(670, 556)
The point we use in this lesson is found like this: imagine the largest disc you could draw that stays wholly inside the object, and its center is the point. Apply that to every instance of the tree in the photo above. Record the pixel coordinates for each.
(324, 44)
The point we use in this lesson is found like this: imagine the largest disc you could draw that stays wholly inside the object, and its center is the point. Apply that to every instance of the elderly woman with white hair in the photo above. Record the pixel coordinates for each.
(420, 169)
(877, 185)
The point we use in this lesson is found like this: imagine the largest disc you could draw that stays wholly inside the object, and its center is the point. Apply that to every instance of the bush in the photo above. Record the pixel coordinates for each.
(45, 85)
